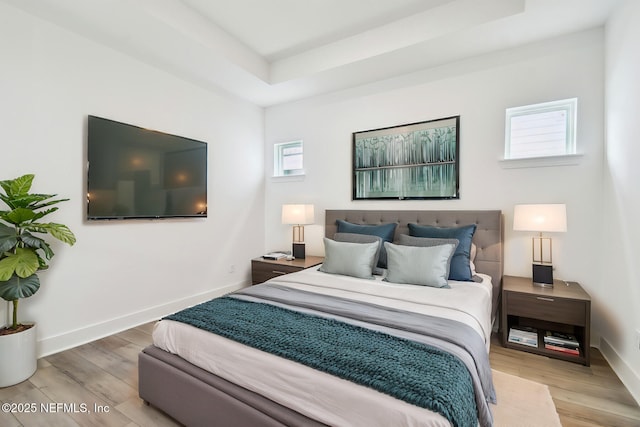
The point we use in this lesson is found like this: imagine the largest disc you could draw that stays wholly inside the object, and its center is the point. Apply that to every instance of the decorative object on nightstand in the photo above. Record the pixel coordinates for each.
(541, 218)
(298, 216)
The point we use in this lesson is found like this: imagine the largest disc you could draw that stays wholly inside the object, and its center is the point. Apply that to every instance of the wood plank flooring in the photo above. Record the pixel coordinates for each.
(97, 385)
(585, 396)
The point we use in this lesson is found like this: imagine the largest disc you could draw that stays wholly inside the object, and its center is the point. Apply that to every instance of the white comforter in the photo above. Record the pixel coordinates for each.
(318, 395)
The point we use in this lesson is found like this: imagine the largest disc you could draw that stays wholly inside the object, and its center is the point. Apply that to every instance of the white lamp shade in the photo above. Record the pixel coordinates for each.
(297, 214)
(547, 218)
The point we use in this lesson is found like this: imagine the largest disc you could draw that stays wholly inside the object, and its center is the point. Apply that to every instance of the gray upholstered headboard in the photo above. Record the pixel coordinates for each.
(488, 237)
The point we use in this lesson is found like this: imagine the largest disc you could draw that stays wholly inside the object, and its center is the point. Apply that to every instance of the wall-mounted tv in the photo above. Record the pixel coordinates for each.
(137, 173)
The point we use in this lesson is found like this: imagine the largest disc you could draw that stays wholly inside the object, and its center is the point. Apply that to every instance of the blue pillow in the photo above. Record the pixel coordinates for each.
(460, 262)
(384, 231)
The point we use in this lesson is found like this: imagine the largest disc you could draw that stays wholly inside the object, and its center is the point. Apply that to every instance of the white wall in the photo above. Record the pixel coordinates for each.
(478, 90)
(122, 273)
(619, 291)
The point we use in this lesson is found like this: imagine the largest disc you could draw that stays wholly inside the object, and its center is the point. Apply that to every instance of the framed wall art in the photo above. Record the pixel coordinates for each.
(412, 161)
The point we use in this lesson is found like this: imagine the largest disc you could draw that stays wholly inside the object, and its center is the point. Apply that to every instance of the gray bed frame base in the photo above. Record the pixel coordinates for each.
(195, 397)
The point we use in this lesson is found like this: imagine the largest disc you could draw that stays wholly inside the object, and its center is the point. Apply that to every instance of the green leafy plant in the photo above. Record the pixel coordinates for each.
(22, 252)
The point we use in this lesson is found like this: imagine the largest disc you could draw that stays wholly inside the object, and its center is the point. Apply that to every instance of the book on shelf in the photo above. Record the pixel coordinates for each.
(561, 345)
(523, 335)
(561, 339)
(568, 350)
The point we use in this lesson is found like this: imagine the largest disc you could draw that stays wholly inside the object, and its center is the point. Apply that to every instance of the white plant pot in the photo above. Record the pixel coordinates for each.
(18, 360)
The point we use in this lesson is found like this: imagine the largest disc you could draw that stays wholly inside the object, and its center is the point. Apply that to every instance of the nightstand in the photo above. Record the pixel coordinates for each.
(265, 269)
(564, 308)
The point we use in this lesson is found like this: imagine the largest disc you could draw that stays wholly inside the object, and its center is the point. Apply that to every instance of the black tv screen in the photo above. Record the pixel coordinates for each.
(140, 173)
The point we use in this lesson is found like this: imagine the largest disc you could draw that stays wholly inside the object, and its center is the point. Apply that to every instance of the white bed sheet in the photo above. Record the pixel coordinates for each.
(318, 395)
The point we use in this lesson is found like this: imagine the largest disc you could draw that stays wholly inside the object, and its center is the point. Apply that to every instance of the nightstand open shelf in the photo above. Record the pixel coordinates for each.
(542, 327)
(563, 308)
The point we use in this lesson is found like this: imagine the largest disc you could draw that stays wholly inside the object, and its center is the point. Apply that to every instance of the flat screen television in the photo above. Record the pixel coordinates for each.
(137, 173)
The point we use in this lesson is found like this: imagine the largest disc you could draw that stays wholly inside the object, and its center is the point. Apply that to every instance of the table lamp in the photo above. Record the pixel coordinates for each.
(298, 216)
(551, 218)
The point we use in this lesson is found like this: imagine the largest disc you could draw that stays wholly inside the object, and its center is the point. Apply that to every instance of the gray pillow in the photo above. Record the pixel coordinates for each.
(416, 265)
(407, 240)
(362, 238)
(349, 259)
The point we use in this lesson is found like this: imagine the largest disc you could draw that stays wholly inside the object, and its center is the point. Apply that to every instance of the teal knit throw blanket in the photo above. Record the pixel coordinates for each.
(409, 371)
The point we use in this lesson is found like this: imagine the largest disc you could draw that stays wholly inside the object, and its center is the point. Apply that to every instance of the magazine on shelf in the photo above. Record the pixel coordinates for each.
(523, 335)
(525, 330)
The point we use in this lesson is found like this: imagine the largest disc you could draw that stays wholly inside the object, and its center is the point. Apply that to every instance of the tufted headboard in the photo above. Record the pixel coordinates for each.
(488, 238)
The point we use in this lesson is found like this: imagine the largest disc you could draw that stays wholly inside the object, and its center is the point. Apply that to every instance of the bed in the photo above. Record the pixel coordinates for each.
(224, 382)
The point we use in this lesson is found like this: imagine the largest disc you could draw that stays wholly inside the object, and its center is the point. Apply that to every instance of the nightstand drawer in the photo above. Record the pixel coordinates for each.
(262, 272)
(265, 269)
(552, 309)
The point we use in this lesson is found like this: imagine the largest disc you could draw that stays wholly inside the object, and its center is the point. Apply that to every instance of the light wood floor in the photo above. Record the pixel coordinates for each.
(96, 385)
(584, 396)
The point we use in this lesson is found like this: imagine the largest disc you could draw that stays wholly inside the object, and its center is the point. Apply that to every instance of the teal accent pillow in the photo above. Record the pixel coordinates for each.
(419, 265)
(384, 231)
(349, 259)
(460, 263)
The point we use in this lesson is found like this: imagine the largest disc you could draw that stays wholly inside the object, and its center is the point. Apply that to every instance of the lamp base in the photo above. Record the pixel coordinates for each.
(298, 250)
(543, 275)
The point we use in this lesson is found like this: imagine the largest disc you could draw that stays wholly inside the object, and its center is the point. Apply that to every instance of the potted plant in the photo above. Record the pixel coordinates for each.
(22, 254)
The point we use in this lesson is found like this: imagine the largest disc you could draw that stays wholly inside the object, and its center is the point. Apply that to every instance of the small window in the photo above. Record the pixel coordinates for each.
(541, 130)
(287, 159)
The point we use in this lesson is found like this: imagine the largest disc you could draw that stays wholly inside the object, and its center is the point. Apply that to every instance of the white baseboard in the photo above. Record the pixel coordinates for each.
(627, 375)
(67, 340)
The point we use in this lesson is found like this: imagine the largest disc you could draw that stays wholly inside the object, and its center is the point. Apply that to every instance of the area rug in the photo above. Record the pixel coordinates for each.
(522, 403)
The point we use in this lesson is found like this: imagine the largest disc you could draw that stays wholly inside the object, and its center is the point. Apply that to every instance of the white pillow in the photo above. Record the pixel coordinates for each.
(474, 250)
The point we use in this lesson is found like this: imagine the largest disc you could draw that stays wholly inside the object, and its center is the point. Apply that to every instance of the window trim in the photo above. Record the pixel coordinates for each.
(278, 159)
(538, 162)
(569, 105)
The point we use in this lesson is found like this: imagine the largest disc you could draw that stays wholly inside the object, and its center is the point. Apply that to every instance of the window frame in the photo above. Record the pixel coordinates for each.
(570, 106)
(279, 159)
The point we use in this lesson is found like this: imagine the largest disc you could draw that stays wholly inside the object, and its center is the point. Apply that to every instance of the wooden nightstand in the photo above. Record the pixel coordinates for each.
(265, 269)
(565, 308)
